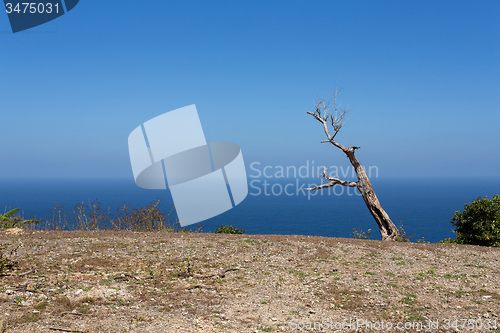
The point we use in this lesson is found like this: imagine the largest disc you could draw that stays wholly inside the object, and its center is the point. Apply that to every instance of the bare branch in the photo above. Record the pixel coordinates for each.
(321, 277)
(333, 182)
(323, 115)
(64, 330)
(220, 274)
(28, 272)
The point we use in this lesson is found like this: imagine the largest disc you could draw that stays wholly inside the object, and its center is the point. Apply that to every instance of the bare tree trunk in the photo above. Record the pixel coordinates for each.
(388, 230)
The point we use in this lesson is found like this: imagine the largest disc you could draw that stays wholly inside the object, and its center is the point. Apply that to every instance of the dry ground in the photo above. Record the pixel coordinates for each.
(177, 282)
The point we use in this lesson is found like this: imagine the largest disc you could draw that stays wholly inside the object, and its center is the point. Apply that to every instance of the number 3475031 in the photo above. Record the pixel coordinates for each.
(32, 8)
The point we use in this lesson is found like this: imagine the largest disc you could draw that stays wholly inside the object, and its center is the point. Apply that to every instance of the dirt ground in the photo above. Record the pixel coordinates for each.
(122, 281)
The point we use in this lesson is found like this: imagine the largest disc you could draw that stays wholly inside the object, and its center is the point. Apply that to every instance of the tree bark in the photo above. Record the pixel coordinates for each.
(388, 230)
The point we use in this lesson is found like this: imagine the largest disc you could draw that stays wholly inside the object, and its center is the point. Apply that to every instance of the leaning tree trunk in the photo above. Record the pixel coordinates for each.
(388, 230)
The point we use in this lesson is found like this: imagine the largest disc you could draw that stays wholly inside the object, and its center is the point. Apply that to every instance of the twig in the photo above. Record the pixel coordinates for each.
(194, 286)
(128, 275)
(64, 330)
(26, 273)
(220, 274)
(321, 277)
(74, 313)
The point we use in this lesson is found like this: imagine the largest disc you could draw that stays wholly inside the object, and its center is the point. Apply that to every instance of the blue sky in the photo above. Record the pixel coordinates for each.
(422, 80)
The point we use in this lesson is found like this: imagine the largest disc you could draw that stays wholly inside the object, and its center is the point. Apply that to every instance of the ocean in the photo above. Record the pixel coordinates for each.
(423, 207)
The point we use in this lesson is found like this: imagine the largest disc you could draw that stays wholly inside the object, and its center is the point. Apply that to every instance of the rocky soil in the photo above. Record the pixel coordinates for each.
(179, 282)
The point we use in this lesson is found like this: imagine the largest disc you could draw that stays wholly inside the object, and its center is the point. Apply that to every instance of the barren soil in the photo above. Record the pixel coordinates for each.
(178, 282)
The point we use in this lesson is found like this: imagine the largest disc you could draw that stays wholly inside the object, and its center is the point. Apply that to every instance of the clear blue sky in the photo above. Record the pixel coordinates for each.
(422, 79)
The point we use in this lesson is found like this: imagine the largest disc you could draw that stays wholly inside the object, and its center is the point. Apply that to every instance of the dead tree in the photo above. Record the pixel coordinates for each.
(322, 113)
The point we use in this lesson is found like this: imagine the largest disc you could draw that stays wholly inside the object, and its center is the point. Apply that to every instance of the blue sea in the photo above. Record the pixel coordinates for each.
(424, 207)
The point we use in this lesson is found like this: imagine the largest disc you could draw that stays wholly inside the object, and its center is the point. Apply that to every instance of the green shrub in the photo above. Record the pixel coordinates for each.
(224, 229)
(449, 241)
(403, 236)
(479, 223)
(358, 233)
(7, 220)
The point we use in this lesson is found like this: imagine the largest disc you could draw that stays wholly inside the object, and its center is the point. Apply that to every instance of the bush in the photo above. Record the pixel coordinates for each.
(7, 220)
(224, 229)
(93, 216)
(404, 237)
(449, 241)
(358, 233)
(149, 218)
(479, 223)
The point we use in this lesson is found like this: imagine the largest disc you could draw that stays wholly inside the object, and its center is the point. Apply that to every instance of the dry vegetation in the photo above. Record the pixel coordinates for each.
(119, 281)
